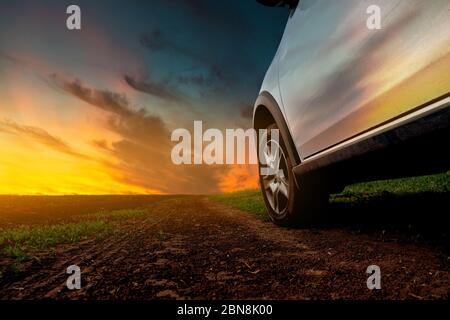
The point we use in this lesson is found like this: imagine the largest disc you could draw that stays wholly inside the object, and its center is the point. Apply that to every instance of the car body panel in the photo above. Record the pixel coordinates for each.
(334, 79)
(389, 153)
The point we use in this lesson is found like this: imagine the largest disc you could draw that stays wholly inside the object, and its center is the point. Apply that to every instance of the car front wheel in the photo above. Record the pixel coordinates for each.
(288, 204)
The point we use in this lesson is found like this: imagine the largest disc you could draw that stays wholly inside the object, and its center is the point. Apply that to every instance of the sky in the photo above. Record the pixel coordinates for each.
(91, 111)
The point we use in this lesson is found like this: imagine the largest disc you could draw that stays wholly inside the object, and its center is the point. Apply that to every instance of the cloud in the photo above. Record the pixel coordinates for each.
(213, 75)
(103, 99)
(210, 39)
(13, 59)
(130, 123)
(39, 135)
(214, 46)
(247, 111)
(239, 177)
(149, 87)
(210, 82)
(156, 41)
(141, 156)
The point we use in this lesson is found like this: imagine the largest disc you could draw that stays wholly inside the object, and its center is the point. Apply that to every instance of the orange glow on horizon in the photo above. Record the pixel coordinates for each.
(239, 177)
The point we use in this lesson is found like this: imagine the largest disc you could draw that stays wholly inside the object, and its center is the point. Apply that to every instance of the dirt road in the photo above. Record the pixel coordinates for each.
(195, 248)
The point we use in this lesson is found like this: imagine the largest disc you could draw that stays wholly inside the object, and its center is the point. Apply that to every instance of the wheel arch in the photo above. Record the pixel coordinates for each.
(267, 111)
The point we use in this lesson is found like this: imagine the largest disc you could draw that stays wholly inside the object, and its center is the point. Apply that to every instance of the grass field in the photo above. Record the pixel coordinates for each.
(21, 242)
(191, 247)
(252, 201)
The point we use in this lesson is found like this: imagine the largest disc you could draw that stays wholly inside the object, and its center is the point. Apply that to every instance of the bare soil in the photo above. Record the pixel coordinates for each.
(195, 248)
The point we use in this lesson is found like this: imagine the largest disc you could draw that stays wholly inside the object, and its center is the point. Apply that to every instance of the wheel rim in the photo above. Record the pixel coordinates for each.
(276, 180)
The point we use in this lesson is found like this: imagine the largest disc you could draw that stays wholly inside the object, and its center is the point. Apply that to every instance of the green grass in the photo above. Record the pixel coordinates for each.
(434, 183)
(15, 241)
(252, 201)
(21, 242)
(247, 200)
(16, 252)
(439, 183)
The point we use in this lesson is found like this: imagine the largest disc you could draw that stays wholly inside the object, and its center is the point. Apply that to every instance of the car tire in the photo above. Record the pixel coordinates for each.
(287, 203)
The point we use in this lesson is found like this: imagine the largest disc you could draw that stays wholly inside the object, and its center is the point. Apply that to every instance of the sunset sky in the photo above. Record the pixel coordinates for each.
(91, 111)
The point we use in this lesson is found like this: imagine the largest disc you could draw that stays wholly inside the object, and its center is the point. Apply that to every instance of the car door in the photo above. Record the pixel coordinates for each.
(339, 78)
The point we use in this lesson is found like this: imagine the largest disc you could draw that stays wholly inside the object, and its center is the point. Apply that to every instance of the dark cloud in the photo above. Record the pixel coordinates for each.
(215, 78)
(141, 156)
(247, 111)
(116, 102)
(202, 47)
(39, 135)
(128, 122)
(212, 39)
(212, 82)
(13, 59)
(196, 79)
(158, 90)
(156, 41)
(103, 99)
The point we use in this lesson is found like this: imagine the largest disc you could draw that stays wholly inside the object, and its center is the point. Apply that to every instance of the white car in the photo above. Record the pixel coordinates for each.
(351, 102)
